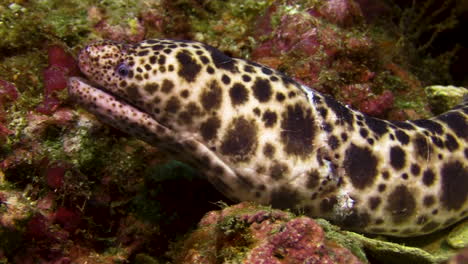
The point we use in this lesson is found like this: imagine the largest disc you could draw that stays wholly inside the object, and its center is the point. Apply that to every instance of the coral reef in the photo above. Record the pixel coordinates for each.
(460, 258)
(322, 45)
(73, 190)
(442, 98)
(246, 233)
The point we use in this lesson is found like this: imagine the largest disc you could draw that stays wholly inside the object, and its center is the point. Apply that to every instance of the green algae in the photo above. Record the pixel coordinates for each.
(458, 237)
(28, 24)
(334, 233)
(145, 259)
(17, 26)
(443, 98)
(428, 249)
(227, 25)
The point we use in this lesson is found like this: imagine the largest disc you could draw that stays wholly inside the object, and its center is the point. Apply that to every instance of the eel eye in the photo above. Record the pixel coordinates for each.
(122, 70)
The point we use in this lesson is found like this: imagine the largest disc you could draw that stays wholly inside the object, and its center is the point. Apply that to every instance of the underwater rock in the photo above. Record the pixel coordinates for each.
(8, 92)
(342, 12)
(442, 98)
(460, 258)
(319, 45)
(245, 233)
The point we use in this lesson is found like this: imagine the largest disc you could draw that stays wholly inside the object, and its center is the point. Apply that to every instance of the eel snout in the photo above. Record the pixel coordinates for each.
(117, 113)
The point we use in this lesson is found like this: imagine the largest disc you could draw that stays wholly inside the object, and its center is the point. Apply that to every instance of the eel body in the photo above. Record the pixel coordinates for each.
(260, 136)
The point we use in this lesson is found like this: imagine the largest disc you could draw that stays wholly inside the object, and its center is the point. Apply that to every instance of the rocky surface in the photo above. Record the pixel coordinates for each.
(246, 233)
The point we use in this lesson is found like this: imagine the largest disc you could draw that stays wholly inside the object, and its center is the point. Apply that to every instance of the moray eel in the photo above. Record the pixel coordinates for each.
(260, 136)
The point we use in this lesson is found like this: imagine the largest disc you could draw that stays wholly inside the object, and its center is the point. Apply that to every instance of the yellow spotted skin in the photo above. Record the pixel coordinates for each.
(260, 136)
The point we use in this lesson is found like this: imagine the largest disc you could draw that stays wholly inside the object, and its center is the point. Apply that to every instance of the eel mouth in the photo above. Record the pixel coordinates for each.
(93, 85)
(116, 111)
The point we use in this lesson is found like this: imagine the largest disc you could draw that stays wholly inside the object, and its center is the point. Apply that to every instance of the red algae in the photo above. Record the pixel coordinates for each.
(67, 218)
(322, 45)
(61, 66)
(378, 106)
(38, 227)
(8, 91)
(341, 12)
(55, 176)
(245, 233)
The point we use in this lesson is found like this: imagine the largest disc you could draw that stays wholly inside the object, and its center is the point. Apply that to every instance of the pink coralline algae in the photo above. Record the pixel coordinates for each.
(378, 105)
(460, 258)
(321, 46)
(245, 233)
(61, 66)
(8, 91)
(342, 12)
(359, 95)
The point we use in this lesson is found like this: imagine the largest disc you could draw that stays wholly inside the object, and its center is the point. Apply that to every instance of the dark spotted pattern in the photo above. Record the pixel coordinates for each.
(167, 86)
(342, 113)
(298, 131)
(280, 97)
(225, 79)
(402, 137)
(374, 202)
(269, 118)
(221, 61)
(430, 226)
(188, 67)
(415, 169)
(333, 142)
(457, 123)
(430, 125)
(240, 139)
(173, 105)
(327, 204)
(151, 88)
(269, 150)
(211, 97)
(133, 92)
(362, 174)
(238, 94)
(451, 143)
(191, 110)
(262, 90)
(428, 177)
(209, 128)
(378, 126)
(278, 170)
(313, 179)
(454, 185)
(261, 136)
(284, 198)
(356, 219)
(397, 157)
(429, 200)
(423, 149)
(400, 204)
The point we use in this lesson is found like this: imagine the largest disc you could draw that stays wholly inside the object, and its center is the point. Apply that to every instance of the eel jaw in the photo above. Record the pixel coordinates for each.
(118, 113)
